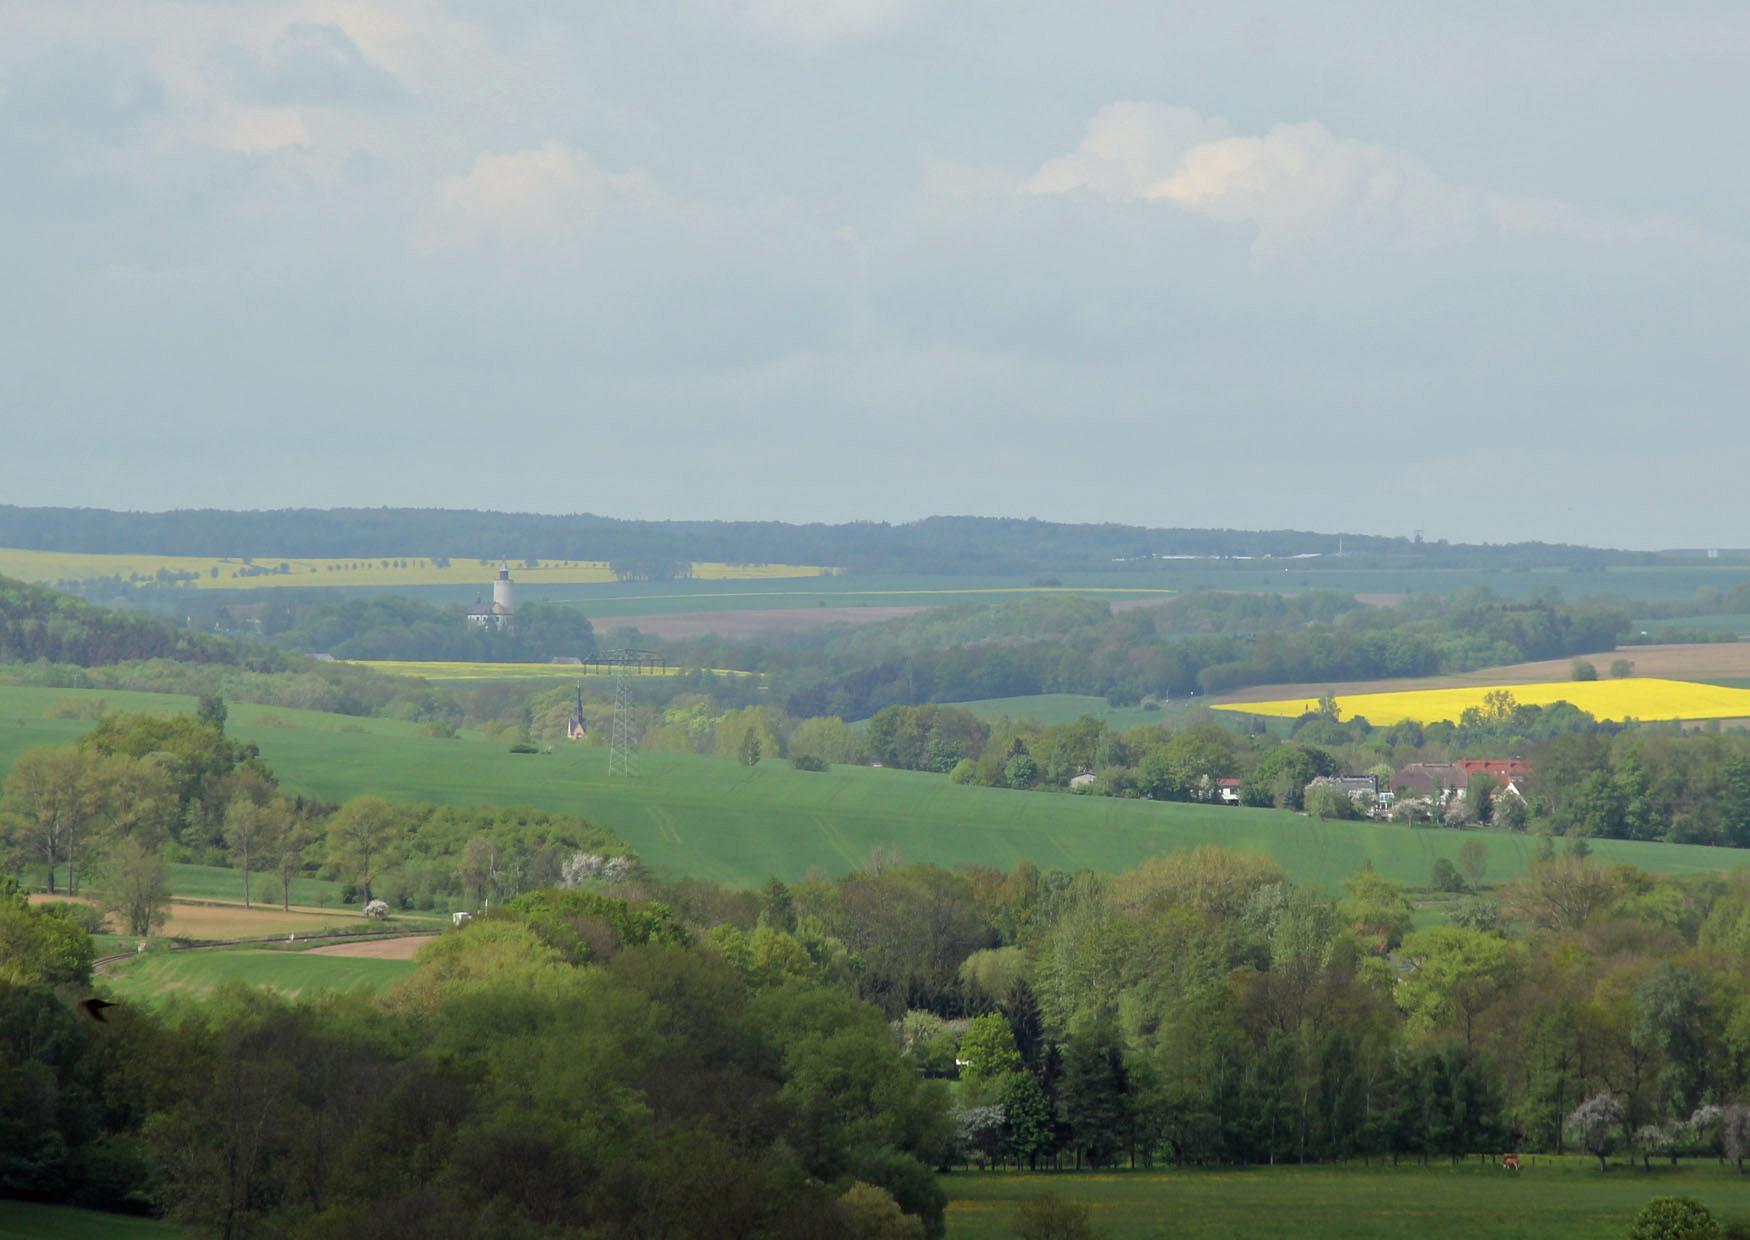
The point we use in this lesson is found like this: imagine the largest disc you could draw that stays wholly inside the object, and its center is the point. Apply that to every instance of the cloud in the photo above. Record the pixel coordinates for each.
(314, 63)
(547, 197)
(813, 24)
(1298, 186)
(74, 97)
(1301, 189)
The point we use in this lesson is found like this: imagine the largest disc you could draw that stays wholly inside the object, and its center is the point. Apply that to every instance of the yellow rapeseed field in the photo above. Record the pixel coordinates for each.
(1606, 699)
(238, 573)
(458, 671)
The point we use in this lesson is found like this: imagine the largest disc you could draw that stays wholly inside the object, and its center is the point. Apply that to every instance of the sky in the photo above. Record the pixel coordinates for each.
(1481, 270)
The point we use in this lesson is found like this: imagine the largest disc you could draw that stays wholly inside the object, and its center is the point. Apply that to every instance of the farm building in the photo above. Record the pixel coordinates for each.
(1438, 781)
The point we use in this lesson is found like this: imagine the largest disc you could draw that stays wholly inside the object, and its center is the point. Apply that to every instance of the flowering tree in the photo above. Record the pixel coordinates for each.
(1595, 1124)
(378, 909)
(981, 1132)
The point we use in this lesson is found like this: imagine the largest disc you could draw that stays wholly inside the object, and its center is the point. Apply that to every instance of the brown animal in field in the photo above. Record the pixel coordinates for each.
(1510, 1162)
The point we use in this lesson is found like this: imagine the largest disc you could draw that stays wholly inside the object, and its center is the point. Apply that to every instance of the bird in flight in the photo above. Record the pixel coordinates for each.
(94, 1008)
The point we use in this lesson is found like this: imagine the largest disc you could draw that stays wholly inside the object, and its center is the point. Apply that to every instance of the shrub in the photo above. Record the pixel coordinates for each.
(87, 917)
(1621, 669)
(1447, 878)
(523, 747)
(1050, 1217)
(809, 762)
(1674, 1218)
(1582, 670)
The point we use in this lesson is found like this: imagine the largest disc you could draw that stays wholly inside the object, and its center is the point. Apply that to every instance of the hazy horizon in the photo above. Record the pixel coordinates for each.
(1345, 267)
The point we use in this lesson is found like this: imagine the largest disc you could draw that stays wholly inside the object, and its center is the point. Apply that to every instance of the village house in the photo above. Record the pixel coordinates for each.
(1503, 769)
(1362, 789)
(1437, 782)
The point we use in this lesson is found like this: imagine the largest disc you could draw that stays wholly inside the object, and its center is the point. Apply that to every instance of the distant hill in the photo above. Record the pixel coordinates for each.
(42, 625)
(936, 545)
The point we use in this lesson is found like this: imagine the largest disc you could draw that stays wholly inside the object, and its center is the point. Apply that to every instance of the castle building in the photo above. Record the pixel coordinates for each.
(501, 612)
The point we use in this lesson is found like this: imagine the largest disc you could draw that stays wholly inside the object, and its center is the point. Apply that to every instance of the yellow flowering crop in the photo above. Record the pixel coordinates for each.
(1606, 699)
(236, 573)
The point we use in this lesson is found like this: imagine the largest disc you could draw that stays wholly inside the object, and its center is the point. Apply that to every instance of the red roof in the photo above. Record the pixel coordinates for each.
(1500, 768)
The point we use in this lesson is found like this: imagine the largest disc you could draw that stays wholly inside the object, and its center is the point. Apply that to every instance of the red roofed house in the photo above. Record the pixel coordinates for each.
(1504, 769)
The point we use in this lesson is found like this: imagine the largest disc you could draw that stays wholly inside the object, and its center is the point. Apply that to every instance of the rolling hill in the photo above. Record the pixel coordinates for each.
(714, 818)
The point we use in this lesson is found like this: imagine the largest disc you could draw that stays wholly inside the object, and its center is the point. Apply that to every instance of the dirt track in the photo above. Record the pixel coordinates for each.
(376, 949)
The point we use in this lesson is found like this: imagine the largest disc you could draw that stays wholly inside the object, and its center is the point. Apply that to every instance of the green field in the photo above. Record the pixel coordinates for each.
(715, 818)
(157, 976)
(1565, 1200)
(27, 1220)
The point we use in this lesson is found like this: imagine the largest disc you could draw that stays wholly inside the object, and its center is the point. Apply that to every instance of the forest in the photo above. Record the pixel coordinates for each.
(942, 545)
(628, 1056)
(1197, 644)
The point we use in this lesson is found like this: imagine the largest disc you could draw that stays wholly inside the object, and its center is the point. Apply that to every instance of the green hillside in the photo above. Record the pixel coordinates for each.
(715, 818)
(1554, 1198)
(156, 977)
(29, 1220)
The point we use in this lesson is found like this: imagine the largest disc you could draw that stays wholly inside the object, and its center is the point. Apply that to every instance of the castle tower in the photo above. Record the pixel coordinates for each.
(504, 592)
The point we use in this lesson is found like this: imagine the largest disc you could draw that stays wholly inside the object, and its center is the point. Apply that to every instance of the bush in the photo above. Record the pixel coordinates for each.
(87, 917)
(808, 762)
(1050, 1217)
(1582, 670)
(1447, 878)
(1674, 1218)
(523, 747)
(1621, 669)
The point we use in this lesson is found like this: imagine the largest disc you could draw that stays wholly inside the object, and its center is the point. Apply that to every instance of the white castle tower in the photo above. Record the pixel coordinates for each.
(501, 614)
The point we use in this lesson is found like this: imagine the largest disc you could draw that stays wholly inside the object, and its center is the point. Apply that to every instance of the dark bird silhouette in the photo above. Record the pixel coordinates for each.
(94, 1008)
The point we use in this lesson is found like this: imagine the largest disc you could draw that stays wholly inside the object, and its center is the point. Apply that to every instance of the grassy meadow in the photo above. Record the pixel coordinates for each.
(30, 1220)
(1555, 1199)
(1643, 698)
(158, 976)
(714, 818)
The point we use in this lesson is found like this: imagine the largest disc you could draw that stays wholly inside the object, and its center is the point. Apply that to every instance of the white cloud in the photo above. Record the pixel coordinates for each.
(550, 196)
(1302, 189)
(1297, 186)
(813, 24)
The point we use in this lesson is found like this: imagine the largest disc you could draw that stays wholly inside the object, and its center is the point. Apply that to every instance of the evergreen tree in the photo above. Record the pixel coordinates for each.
(1094, 1097)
